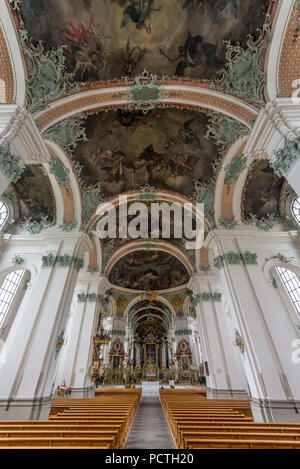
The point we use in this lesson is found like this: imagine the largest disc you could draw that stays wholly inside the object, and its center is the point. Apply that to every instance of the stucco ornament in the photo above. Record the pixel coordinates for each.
(145, 92)
(243, 74)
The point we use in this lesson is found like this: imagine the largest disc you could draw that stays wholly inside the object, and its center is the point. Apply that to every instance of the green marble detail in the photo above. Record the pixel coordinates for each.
(64, 260)
(145, 92)
(223, 131)
(280, 257)
(274, 284)
(17, 260)
(67, 227)
(48, 77)
(264, 224)
(78, 263)
(49, 260)
(249, 258)
(7, 198)
(184, 332)
(204, 269)
(60, 172)
(219, 262)
(234, 169)
(8, 227)
(10, 164)
(69, 132)
(206, 296)
(228, 224)
(244, 74)
(92, 270)
(286, 157)
(35, 227)
(232, 258)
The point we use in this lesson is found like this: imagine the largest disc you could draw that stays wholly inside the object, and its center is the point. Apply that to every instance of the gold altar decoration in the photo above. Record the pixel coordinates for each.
(116, 355)
(100, 339)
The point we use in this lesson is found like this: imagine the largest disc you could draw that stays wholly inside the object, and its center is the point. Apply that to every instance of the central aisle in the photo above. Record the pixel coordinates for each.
(150, 429)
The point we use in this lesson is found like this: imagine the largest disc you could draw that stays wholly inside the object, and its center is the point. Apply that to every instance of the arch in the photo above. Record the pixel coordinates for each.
(275, 50)
(11, 54)
(134, 246)
(138, 299)
(236, 195)
(63, 199)
(159, 195)
(190, 94)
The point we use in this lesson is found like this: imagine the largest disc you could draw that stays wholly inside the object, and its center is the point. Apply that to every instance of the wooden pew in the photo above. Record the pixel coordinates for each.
(197, 423)
(100, 423)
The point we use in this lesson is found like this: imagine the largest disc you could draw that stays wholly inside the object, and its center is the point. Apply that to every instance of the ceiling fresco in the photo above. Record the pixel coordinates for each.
(262, 191)
(114, 38)
(150, 328)
(148, 270)
(166, 148)
(35, 195)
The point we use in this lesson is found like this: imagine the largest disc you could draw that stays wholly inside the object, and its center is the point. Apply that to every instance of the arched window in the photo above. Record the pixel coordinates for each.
(291, 284)
(296, 209)
(8, 291)
(3, 213)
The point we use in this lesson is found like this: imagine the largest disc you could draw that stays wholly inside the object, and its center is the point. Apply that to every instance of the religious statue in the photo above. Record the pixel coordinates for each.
(150, 367)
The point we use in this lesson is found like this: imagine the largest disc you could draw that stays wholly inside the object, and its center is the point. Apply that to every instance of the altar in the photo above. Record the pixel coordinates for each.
(150, 388)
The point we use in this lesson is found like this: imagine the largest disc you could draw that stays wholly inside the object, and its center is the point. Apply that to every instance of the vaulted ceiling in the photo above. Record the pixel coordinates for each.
(202, 49)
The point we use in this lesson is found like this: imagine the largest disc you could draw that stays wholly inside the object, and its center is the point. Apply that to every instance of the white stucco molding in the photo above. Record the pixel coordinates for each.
(20, 132)
(280, 119)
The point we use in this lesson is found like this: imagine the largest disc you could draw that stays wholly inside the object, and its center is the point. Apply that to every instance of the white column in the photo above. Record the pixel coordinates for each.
(27, 373)
(226, 378)
(76, 357)
(267, 332)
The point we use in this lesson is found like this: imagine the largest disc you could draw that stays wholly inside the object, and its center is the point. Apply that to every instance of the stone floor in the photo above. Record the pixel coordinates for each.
(150, 429)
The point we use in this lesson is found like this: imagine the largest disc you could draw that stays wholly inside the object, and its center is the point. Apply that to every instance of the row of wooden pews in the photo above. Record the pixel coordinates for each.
(103, 422)
(199, 423)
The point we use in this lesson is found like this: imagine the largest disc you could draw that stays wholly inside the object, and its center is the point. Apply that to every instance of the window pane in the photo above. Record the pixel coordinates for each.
(296, 209)
(292, 285)
(3, 213)
(8, 291)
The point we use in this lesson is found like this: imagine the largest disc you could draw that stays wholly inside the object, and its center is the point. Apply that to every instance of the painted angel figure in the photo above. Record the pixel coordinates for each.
(139, 12)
